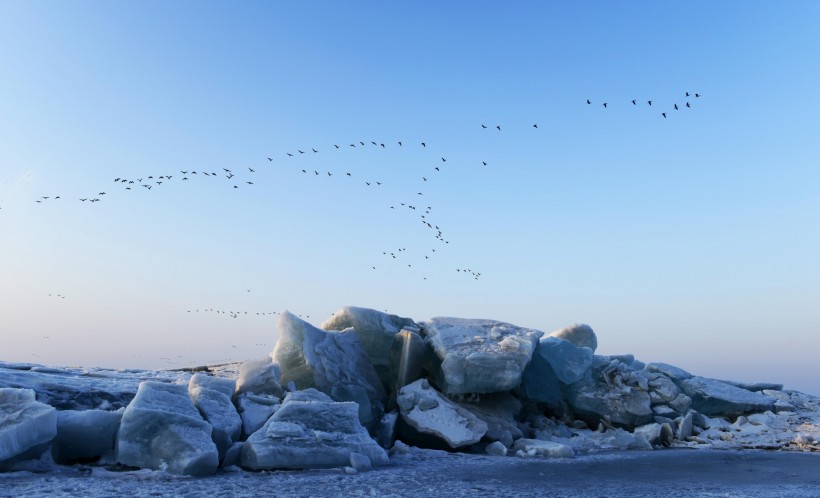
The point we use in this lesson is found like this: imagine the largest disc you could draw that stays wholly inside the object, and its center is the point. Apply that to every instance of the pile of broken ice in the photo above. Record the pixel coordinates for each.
(340, 395)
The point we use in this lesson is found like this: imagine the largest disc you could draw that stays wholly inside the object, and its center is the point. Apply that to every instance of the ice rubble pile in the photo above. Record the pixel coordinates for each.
(338, 395)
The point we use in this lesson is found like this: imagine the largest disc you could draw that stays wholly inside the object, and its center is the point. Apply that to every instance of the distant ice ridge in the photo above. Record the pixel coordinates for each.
(341, 395)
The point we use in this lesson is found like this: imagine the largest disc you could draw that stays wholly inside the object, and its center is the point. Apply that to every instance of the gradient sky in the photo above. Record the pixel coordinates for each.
(691, 239)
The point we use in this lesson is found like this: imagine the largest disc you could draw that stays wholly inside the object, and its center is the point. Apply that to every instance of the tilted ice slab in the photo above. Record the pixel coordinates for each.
(478, 356)
(568, 361)
(212, 397)
(375, 331)
(259, 377)
(332, 362)
(713, 397)
(311, 431)
(24, 422)
(85, 435)
(162, 430)
(428, 412)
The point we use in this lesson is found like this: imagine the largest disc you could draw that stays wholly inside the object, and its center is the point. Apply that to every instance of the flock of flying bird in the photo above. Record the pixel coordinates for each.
(649, 103)
(237, 179)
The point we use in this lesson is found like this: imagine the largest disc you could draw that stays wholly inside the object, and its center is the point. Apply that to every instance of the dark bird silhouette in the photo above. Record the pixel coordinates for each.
(235, 186)
(663, 114)
(535, 126)
(329, 173)
(649, 102)
(687, 94)
(317, 173)
(437, 169)
(184, 177)
(687, 105)
(269, 159)
(374, 143)
(634, 103)
(314, 150)
(484, 126)
(304, 171)
(676, 107)
(368, 183)
(251, 170)
(400, 145)
(361, 142)
(498, 127)
(378, 183)
(301, 151)
(484, 163)
(604, 105)
(83, 200)
(101, 193)
(443, 160)
(697, 95)
(352, 145)
(423, 178)
(249, 183)
(348, 174)
(423, 144)
(588, 101)
(336, 146)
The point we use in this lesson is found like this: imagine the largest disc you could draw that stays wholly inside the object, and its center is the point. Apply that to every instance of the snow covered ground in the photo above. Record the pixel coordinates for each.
(670, 472)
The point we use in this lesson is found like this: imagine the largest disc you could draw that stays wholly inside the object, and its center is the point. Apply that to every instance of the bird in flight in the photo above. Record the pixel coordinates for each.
(484, 126)
(663, 114)
(588, 101)
(604, 105)
(499, 127)
(676, 107)
(649, 102)
(251, 170)
(634, 103)
(423, 144)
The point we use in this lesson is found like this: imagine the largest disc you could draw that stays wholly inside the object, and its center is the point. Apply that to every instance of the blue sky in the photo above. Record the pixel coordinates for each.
(690, 239)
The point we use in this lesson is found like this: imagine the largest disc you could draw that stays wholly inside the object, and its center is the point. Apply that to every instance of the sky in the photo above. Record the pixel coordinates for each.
(690, 239)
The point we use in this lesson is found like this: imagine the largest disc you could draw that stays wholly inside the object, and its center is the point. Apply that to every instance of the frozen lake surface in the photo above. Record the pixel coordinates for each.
(671, 472)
